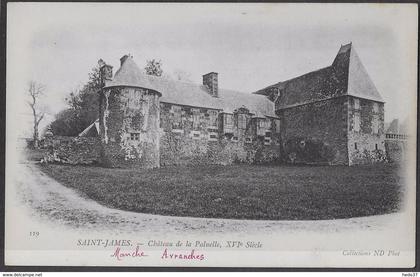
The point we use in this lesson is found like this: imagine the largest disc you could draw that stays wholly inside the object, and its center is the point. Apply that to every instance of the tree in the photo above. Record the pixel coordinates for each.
(83, 108)
(65, 123)
(35, 92)
(154, 67)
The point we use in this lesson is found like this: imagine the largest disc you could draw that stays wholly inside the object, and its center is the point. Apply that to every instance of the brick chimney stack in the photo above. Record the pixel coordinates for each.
(210, 81)
(105, 71)
(124, 58)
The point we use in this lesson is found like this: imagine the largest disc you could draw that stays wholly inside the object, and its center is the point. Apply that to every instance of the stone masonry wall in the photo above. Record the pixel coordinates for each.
(366, 145)
(72, 150)
(195, 136)
(315, 132)
(129, 128)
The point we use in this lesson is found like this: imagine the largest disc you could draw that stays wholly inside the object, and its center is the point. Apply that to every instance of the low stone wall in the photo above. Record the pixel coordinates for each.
(73, 150)
(181, 150)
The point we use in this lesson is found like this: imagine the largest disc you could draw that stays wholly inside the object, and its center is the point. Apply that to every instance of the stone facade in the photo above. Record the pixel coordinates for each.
(316, 132)
(129, 127)
(330, 116)
(333, 115)
(138, 130)
(201, 136)
(366, 136)
(189, 124)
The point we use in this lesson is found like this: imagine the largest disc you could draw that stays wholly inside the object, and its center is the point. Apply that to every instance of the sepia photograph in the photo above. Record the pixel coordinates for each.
(211, 134)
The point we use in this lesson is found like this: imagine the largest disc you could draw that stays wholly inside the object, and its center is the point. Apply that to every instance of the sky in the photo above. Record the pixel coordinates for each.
(251, 46)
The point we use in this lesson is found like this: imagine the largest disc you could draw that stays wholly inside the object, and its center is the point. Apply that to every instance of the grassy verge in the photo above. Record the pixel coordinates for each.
(241, 191)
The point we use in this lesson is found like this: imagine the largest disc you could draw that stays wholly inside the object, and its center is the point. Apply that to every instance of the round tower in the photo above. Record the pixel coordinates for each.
(129, 117)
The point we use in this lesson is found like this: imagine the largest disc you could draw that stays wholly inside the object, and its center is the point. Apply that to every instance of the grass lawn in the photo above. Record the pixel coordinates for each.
(241, 191)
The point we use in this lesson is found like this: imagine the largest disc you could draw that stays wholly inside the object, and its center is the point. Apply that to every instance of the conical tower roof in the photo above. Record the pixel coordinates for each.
(130, 75)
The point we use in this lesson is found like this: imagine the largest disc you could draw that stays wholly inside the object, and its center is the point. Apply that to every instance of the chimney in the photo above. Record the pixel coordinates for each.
(105, 71)
(124, 58)
(210, 81)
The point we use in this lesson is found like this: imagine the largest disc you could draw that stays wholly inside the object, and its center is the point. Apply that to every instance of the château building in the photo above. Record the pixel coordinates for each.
(333, 115)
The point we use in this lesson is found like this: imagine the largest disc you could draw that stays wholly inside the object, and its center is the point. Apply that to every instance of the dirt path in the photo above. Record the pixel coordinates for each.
(50, 201)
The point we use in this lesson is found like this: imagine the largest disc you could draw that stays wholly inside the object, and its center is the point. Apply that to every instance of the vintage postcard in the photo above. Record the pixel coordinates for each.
(211, 134)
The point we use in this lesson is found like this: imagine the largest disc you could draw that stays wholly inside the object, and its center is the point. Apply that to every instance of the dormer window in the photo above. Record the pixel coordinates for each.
(241, 121)
(228, 119)
(212, 118)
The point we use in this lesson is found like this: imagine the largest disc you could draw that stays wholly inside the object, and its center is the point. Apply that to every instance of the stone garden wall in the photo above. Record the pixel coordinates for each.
(72, 150)
(180, 150)
(395, 150)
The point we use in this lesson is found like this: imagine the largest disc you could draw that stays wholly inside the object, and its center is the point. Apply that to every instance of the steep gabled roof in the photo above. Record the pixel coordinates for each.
(189, 94)
(346, 76)
(360, 84)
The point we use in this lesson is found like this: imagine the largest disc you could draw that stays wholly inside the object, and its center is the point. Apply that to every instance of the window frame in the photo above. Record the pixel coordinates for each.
(134, 136)
(242, 121)
(356, 102)
(356, 123)
(227, 122)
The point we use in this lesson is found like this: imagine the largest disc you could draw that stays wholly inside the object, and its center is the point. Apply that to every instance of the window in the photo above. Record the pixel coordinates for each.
(212, 130)
(176, 116)
(213, 136)
(375, 124)
(261, 123)
(134, 136)
(277, 125)
(212, 118)
(376, 146)
(356, 104)
(356, 122)
(196, 118)
(228, 119)
(195, 134)
(241, 121)
(375, 107)
(264, 123)
(355, 145)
